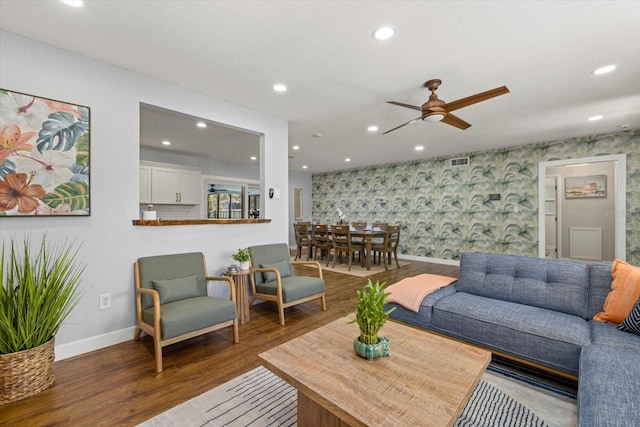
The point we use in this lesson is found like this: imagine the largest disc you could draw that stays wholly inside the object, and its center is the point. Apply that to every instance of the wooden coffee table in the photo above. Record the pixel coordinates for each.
(426, 381)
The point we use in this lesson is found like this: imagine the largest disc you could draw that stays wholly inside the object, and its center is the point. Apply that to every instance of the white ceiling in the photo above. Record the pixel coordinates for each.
(339, 77)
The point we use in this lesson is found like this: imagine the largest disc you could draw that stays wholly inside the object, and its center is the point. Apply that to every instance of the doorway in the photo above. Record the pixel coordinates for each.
(617, 213)
(551, 215)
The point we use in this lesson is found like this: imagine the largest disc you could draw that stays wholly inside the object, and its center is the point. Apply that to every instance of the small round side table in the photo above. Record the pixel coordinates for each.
(242, 298)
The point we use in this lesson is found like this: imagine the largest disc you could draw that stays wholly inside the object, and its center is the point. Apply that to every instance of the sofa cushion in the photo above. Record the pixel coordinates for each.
(599, 287)
(293, 288)
(608, 334)
(556, 285)
(187, 315)
(632, 322)
(608, 389)
(625, 291)
(284, 267)
(543, 336)
(423, 317)
(176, 289)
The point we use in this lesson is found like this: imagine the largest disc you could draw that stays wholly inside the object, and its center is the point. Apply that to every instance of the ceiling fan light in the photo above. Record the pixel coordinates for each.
(433, 117)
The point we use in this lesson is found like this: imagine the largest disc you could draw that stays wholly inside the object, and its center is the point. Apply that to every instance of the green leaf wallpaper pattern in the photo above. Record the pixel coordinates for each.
(445, 211)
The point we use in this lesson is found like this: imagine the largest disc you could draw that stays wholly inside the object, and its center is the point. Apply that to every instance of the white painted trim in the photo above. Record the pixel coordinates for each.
(97, 342)
(431, 260)
(620, 198)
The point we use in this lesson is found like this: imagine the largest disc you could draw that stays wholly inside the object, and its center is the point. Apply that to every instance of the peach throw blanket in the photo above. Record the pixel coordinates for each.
(410, 292)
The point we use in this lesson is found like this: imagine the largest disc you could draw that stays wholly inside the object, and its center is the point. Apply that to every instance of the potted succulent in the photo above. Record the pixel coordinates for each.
(242, 255)
(370, 317)
(38, 290)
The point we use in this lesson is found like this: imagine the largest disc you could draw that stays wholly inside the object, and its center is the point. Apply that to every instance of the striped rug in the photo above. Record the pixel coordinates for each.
(260, 398)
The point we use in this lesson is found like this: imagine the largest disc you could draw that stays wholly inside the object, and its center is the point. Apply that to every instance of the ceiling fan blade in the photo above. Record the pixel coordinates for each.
(455, 121)
(473, 99)
(413, 107)
(404, 124)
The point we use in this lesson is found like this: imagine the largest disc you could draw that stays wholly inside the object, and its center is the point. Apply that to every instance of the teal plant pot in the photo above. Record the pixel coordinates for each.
(372, 351)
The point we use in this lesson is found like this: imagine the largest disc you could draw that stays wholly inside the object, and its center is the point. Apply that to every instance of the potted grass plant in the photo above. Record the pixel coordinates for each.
(371, 317)
(38, 291)
(242, 255)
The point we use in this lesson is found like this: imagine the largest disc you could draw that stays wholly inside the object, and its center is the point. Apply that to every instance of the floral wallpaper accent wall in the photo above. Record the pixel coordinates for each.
(444, 211)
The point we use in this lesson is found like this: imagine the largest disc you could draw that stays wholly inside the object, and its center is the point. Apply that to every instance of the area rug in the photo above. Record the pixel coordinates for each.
(260, 398)
(356, 269)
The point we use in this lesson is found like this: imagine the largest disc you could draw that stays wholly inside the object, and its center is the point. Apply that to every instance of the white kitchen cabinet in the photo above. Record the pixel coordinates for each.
(145, 184)
(175, 186)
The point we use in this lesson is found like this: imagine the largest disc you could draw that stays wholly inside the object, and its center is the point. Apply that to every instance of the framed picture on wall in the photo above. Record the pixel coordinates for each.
(580, 187)
(44, 156)
(297, 203)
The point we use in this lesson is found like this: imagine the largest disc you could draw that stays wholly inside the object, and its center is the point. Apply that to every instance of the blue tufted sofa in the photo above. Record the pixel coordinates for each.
(539, 311)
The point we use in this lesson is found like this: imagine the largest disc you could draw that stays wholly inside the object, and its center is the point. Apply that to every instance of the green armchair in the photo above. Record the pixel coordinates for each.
(272, 278)
(173, 302)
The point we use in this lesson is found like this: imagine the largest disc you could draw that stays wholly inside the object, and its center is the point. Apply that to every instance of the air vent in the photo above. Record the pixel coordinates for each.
(458, 161)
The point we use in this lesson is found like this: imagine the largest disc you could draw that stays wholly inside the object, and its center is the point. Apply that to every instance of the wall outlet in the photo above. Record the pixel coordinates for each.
(105, 301)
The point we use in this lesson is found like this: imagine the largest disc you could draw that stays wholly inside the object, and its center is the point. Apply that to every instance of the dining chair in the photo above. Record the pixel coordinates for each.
(342, 242)
(394, 242)
(321, 241)
(303, 238)
(377, 225)
(173, 302)
(357, 241)
(273, 279)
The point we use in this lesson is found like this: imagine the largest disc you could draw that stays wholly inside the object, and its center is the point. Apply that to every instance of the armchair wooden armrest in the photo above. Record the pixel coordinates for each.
(156, 306)
(227, 279)
(275, 271)
(315, 264)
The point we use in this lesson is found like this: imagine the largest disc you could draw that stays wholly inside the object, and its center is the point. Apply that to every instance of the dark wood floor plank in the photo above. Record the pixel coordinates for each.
(118, 385)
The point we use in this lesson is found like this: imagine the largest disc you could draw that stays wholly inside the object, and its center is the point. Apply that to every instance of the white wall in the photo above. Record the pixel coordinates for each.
(110, 243)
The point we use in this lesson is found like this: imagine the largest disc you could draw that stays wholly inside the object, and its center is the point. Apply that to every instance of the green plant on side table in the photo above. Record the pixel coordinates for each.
(242, 255)
(371, 317)
(38, 292)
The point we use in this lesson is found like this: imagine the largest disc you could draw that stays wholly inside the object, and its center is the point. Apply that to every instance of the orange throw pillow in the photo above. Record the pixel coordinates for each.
(625, 291)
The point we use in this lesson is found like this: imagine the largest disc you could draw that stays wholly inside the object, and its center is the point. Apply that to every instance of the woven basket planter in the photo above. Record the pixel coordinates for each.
(26, 372)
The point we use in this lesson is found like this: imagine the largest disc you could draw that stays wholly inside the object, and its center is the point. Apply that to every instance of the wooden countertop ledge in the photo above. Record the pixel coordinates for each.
(159, 223)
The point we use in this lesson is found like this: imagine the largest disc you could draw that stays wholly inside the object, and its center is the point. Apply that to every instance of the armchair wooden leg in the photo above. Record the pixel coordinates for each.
(236, 335)
(157, 344)
(136, 337)
(323, 303)
(281, 314)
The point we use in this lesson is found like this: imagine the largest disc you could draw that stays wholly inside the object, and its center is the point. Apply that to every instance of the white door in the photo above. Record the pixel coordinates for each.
(551, 216)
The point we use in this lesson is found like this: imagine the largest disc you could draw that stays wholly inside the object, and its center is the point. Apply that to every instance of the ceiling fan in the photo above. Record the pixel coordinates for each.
(435, 110)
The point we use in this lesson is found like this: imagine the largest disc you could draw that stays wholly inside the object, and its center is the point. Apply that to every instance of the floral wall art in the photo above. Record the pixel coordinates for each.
(444, 211)
(44, 156)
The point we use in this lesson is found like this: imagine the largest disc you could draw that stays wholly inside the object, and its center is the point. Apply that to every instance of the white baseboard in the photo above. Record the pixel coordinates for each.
(86, 345)
(431, 260)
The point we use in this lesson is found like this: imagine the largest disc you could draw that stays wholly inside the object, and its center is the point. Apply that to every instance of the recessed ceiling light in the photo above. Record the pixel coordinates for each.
(201, 124)
(604, 70)
(594, 118)
(347, 159)
(253, 157)
(304, 166)
(372, 128)
(279, 87)
(166, 142)
(73, 3)
(295, 147)
(419, 147)
(383, 33)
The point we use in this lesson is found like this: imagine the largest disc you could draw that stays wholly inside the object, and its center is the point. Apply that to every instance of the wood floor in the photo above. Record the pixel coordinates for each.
(118, 385)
